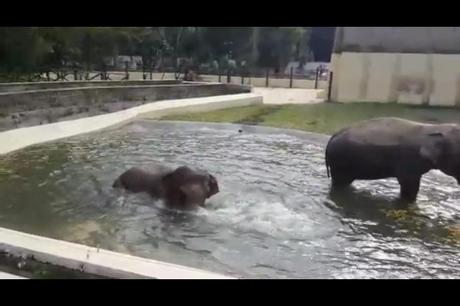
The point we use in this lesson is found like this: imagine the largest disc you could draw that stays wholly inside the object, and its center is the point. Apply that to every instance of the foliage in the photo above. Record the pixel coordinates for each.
(32, 49)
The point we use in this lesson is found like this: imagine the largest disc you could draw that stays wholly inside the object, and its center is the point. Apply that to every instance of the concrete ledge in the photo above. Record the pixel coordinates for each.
(26, 86)
(19, 138)
(289, 95)
(21, 101)
(95, 261)
(4, 275)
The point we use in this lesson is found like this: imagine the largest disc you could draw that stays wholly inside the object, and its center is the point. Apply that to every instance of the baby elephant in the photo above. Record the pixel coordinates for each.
(182, 188)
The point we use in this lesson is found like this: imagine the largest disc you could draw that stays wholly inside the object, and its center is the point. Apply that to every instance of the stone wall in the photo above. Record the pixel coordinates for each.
(30, 100)
(36, 107)
(27, 86)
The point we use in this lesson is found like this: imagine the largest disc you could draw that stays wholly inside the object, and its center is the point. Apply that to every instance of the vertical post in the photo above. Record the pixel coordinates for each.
(151, 72)
(219, 76)
(266, 77)
(316, 78)
(75, 75)
(126, 71)
(48, 76)
(242, 78)
(106, 76)
(329, 90)
(290, 76)
(229, 78)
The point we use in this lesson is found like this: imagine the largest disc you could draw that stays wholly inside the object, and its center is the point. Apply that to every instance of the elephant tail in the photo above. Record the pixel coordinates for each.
(326, 157)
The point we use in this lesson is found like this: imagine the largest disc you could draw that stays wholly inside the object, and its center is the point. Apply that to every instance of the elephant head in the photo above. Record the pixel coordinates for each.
(187, 188)
(442, 149)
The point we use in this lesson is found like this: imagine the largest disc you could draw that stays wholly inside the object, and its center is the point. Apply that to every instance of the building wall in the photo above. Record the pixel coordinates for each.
(409, 78)
(442, 40)
(403, 65)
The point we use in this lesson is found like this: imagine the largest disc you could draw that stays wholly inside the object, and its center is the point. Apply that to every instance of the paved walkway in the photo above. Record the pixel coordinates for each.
(290, 95)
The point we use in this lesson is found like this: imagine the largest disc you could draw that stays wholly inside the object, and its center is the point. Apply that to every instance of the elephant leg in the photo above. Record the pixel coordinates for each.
(409, 186)
(340, 179)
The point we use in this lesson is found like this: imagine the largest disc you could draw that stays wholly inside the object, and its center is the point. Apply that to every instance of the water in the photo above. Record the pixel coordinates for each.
(274, 216)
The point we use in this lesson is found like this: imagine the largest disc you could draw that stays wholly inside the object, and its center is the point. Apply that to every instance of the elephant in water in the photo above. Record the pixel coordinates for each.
(392, 147)
(183, 188)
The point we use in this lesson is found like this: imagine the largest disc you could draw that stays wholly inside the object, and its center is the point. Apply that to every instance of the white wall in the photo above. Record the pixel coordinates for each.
(408, 78)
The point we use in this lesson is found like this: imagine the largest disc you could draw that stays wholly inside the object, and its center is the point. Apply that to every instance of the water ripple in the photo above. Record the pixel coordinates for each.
(273, 218)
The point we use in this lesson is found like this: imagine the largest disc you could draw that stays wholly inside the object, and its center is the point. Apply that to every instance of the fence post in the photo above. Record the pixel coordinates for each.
(316, 78)
(151, 72)
(329, 90)
(126, 71)
(290, 77)
(48, 76)
(75, 76)
(266, 77)
(219, 76)
(242, 78)
(229, 77)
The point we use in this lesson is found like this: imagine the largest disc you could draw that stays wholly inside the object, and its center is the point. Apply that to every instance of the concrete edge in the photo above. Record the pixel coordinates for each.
(16, 139)
(93, 260)
(82, 82)
(4, 275)
(90, 88)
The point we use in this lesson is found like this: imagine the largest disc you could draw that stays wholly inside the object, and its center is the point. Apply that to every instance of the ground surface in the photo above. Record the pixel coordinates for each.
(320, 117)
(289, 95)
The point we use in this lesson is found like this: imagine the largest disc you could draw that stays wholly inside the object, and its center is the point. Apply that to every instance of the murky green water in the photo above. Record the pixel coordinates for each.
(274, 217)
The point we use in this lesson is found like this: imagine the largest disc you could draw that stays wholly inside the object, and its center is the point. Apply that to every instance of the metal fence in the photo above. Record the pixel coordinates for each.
(257, 78)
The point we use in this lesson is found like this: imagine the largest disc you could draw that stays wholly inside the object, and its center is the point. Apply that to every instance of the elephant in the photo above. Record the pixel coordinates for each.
(388, 147)
(183, 188)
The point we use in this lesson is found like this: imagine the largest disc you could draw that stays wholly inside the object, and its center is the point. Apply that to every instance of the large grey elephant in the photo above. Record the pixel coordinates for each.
(183, 188)
(392, 147)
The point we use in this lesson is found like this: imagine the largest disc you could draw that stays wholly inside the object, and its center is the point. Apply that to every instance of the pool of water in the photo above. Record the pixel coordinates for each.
(274, 216)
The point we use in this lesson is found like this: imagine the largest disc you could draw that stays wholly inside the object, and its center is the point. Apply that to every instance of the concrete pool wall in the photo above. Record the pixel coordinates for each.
(26, 86)
(18, 101)
(92, 260)
(20, 138)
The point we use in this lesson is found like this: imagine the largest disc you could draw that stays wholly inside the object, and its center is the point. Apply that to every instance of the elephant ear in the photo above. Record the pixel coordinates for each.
(433, 148)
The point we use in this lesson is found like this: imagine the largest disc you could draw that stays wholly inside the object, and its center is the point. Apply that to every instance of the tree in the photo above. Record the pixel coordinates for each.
(278, 45)
(21, 50)
(98, 44)
(322, 40)
(64, 44)
(26, 50)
